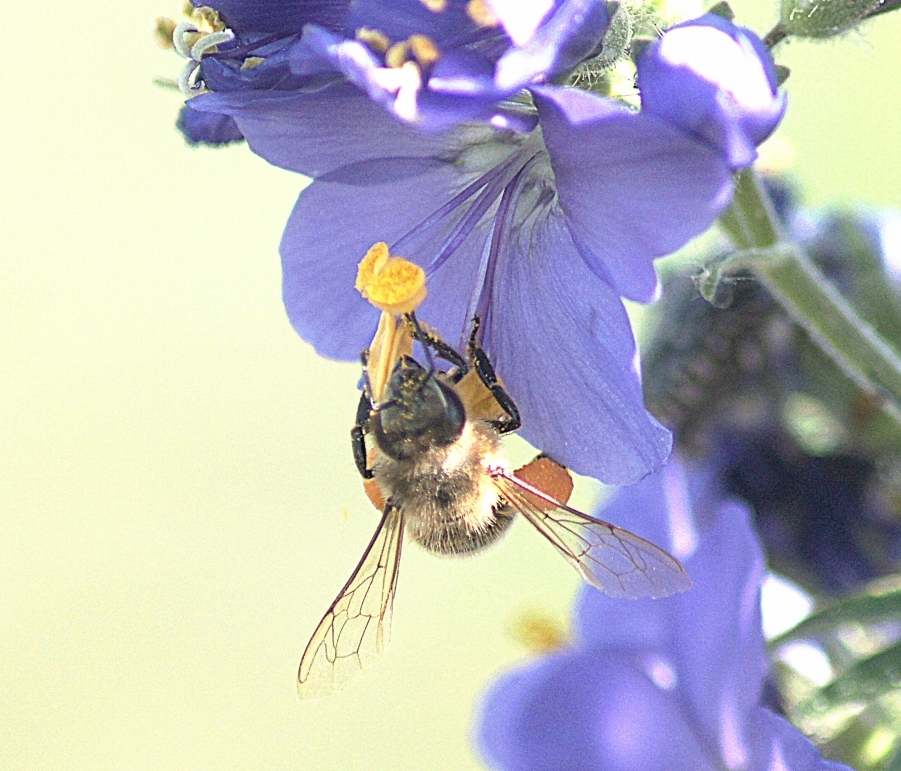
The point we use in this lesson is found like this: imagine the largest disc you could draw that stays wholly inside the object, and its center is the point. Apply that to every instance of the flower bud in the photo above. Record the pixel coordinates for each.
(715, 81)
(823, 18)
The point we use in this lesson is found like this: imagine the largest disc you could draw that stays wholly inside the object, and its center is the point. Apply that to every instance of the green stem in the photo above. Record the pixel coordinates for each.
(810, 298)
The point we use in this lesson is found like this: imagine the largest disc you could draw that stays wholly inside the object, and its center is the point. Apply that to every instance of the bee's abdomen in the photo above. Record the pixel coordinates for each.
(457, 536)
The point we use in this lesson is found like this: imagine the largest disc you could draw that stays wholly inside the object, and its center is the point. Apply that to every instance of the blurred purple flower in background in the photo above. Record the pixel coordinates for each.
(670, 684)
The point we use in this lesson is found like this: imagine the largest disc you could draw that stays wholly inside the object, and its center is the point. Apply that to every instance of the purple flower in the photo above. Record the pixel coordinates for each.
(669, 684)
(431, 62)
(539, 233)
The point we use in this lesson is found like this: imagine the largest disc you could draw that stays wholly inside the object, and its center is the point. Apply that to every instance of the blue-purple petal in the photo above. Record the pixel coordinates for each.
(680, 694)
(570, 33)
(712, 632)
(331, 228)
(279, 15)
(720, 652)
(207, 128)
(633, 188)
(592, 711)
(562, 342)
(778, 746)
(460, 87)
(317, 133)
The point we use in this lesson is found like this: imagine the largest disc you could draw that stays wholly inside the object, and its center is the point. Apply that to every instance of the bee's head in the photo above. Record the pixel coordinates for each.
(419, 412)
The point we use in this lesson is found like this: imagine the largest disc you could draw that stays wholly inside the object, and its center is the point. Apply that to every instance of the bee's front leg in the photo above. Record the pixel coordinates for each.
(442, 349)
(361, 424)
(358, 436)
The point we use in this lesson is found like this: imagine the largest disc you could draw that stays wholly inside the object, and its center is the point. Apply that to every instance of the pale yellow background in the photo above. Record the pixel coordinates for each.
(179, 503)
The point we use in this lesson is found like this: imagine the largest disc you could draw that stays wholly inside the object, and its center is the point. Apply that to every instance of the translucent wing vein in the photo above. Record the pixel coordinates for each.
(358, 623)
(614, 560)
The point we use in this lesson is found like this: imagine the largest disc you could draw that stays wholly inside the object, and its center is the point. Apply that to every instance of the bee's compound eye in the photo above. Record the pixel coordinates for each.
(450, 426)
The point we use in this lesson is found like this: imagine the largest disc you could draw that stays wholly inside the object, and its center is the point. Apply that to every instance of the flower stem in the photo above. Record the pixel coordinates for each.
(810, 298)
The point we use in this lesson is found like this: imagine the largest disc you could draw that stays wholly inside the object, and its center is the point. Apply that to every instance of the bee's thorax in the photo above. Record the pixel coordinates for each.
(446, 494)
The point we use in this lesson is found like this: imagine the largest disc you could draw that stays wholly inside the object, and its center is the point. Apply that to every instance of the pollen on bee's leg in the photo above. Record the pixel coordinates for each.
(549, 477)
(392, 284)
(374, 492)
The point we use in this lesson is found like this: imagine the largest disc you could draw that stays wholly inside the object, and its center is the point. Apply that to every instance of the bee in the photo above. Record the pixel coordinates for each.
(433, 465)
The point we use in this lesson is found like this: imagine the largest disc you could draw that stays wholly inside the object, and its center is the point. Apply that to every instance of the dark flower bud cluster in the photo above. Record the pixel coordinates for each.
(745, 386)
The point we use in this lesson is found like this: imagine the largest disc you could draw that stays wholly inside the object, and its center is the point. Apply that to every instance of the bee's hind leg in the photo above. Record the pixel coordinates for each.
(485, 370)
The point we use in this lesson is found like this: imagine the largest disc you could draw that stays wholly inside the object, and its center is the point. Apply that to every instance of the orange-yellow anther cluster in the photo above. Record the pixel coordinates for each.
(207, 17)
(392, 284)
(162, 32)
(480, 12)
(376, 40)
(424, 50)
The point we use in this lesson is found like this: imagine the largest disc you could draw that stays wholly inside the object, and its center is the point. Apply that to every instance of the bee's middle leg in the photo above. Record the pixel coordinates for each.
(485, 370)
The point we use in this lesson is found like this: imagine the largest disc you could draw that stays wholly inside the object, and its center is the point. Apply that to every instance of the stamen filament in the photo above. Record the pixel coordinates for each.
(209, 41)
(481, 304)
(189, 78)
(439, 214)
(240, 51)
(178, 38)
(469, 221)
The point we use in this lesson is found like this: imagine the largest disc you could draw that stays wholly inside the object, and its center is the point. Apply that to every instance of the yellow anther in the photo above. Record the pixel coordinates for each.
(252, 61)
(425, 51)
(397, 55)
(377, 41)
(437, 6)
(162, 33)
(392, 284)
(209, 18)
(481, 13)
(192, 37)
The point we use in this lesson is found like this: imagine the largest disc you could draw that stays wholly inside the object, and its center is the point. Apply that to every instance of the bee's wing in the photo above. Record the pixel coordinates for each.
(614, 560)
(358, 623)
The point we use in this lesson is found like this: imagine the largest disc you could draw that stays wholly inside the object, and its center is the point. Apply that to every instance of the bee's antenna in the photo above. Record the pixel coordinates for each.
(385, 405)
